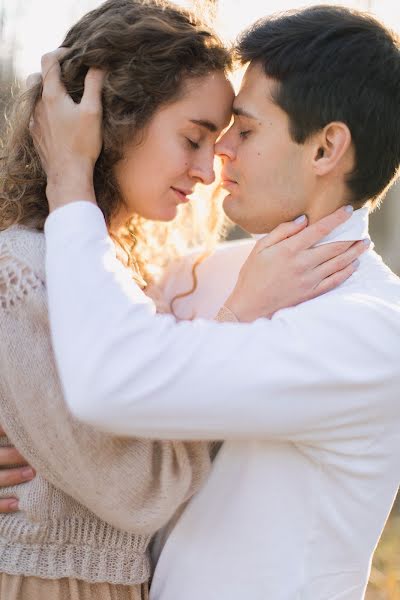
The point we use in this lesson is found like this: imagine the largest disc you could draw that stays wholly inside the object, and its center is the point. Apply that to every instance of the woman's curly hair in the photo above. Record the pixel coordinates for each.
(148, 48)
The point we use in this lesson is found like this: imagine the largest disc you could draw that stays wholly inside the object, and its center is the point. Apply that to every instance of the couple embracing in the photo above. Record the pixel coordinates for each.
(284, 349)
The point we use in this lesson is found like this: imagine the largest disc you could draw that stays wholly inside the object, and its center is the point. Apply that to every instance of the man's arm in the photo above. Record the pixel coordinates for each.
(136, 373)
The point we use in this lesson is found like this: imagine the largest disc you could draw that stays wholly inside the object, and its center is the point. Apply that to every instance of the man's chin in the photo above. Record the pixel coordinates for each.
(237, 213)
(232, 209)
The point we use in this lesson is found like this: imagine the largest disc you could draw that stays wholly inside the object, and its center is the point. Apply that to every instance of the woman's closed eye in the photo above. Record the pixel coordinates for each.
(244, 134)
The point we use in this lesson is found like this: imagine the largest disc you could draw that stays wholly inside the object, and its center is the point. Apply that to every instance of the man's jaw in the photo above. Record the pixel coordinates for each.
(258, 236)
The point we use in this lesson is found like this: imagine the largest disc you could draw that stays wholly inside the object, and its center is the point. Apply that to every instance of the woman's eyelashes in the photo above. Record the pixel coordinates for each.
(194, 145)
(244, 134)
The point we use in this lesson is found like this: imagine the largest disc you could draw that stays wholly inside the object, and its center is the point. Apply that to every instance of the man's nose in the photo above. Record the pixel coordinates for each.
(224, 148)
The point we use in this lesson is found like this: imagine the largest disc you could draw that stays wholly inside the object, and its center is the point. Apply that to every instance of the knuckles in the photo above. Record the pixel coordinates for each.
(48, 95)
(47, 60)
(322, 229)
(91, 109)
(341, 262)
(300, 265)
(287, 252)
(32, 80)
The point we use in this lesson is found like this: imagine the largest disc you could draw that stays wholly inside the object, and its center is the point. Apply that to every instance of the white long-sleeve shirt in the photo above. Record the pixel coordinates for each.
(297, 511)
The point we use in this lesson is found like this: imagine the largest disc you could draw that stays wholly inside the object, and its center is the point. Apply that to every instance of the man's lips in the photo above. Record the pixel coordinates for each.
(228, 183)
(227, 179)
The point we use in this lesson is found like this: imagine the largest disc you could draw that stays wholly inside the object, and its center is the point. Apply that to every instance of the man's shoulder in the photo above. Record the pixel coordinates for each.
(374, 283)
(367, 304)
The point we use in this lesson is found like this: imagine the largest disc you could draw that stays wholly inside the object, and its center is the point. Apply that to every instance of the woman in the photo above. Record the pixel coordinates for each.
(63, 544)
(87, 519)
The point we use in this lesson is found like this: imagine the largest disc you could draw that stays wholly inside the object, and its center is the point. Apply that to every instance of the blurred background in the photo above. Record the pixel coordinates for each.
(29, 28)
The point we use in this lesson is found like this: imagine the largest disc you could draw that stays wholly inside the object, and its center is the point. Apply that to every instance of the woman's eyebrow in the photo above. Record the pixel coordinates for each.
(206, 124)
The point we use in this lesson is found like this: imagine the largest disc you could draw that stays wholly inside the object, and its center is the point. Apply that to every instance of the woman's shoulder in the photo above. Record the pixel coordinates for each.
(227, 255)
(216, 275)
(24, 245)
(22, 264)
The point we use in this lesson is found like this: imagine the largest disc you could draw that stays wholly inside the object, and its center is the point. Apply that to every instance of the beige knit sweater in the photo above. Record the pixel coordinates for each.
(97, 499)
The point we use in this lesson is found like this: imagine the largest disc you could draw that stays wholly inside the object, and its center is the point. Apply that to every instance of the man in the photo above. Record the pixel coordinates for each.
(297, 511)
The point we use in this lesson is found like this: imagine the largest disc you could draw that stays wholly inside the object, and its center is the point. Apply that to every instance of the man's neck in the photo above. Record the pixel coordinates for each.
(325, 199)
(356, 228)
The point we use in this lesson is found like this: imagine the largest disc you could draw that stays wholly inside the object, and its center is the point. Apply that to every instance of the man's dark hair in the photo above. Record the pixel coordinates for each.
(336, 64)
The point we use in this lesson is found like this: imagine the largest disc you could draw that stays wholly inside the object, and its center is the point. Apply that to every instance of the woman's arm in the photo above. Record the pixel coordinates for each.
(134, 484)
(148, 375)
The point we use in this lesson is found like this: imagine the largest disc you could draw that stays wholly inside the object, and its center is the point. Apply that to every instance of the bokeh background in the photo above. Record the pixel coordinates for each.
(29, 28)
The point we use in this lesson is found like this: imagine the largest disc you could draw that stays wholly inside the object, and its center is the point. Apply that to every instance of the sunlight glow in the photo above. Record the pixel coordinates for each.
(38, 26)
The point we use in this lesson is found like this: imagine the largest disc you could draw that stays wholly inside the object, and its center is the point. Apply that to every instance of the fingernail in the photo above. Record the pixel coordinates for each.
(27, 474)
(13, 505)
(367, 242)
(300, 219)
(349, 209)
(356, 263)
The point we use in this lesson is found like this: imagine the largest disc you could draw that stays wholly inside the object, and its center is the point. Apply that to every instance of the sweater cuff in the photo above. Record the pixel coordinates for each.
(225, 315)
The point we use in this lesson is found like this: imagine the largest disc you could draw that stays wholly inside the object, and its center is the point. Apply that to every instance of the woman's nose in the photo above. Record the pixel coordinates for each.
(204, 172)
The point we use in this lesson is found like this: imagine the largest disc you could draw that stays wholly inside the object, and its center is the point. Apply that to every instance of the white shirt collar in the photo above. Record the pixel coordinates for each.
(355, 228)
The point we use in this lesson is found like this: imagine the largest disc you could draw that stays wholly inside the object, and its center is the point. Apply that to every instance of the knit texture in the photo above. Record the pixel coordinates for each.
(97, 499)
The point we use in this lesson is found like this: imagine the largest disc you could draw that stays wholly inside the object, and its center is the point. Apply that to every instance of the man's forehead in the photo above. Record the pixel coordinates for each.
(254, 97)
(251, 103)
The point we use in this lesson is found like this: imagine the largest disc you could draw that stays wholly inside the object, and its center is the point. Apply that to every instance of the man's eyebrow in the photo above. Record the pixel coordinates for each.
(206, 124)
(240, 112)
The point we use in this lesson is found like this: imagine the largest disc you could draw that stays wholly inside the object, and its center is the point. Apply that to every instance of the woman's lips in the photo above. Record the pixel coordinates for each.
(182, 195)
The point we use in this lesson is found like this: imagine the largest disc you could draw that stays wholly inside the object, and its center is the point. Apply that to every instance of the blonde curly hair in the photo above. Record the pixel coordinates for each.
(147, 49)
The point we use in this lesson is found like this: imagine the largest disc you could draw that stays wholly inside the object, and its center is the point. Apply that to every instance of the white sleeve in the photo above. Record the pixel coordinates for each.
(131, 372)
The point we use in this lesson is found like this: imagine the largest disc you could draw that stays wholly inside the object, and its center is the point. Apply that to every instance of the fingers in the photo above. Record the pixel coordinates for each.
(319, 230)
(9, 477)
(342, 261)
(321, 254)
(282, 232)
(34, 127)
(8, 505)
(51, 73)
(10, 456)
(333, 281)
(91, 99)
(33, 80)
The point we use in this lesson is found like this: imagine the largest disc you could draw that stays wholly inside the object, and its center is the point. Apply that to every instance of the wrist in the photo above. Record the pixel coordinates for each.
(70, 185)
(245, 313)
(236, 308)
(225, 315)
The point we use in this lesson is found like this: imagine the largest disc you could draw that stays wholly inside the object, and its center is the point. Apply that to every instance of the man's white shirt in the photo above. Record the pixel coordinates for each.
(308, 401)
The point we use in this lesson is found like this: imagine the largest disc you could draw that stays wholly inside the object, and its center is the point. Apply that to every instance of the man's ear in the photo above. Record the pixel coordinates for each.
(332, 146)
